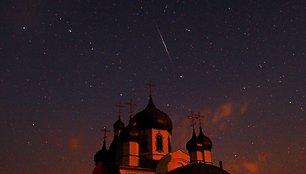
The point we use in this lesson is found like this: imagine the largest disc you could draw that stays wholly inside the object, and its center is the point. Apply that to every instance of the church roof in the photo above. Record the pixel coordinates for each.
(118, 125)
(130, 132)
(192, 144)
(101, 155)
(115, 151)
(199, 168)
(152, 117)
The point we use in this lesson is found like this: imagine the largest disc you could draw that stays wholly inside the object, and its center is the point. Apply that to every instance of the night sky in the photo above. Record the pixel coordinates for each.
(65, 65)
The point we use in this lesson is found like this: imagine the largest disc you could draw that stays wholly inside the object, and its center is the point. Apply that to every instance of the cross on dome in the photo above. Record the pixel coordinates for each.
(131, 105)
(105, 132)
(150, 86)
(199, 116)
(119, 107)
(192, 116)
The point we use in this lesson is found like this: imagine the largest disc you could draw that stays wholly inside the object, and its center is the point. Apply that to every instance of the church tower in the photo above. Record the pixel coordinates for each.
(130, 145)
(207, 146)
(115, 149)
(155, 132)
(130, 141)
(101, 157)
(194, 148)
(206, 143)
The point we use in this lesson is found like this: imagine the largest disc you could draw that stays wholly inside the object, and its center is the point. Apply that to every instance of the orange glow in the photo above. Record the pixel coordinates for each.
(243, 108)
(74, 144)
(223, 112)
(264, 156)
(252, 167)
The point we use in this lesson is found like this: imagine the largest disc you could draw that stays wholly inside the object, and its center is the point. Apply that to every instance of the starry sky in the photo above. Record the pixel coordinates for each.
(65, 65)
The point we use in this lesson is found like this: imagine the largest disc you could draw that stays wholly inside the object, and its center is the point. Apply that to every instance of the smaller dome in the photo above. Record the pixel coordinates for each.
(130, 132)
(207, 143)
(101, 155)
(191, 145)
(118, 125)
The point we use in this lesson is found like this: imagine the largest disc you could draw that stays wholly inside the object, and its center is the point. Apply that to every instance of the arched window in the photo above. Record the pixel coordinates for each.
(159, 142)
(144, 143)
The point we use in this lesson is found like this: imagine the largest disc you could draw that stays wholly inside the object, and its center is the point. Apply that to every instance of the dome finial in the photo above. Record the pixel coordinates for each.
(199, 116)
(207, 143)
(150, 86)
(192, 116)
(119, 106)
(131, 105)
(105, 136)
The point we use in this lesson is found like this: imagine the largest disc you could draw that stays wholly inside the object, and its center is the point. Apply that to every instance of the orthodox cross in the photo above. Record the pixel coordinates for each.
(131, 105)
(119, 106)
(105, 132)
(192, 116)
(199, 116)
(150, 86)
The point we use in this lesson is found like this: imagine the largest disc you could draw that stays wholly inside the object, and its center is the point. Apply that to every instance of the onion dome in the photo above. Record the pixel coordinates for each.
(191, 145)
(118, 125)
(207, 143)
(130, 132)
(151, 117)
(101, 155)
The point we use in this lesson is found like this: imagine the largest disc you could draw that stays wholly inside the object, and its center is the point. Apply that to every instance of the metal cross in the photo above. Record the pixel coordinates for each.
(131, 105)
(119, 106)
(199, 116)
(105, 132)
(150, 86)
(192, 116)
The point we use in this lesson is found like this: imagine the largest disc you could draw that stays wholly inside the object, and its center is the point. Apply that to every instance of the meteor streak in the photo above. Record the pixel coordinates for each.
(164, 43)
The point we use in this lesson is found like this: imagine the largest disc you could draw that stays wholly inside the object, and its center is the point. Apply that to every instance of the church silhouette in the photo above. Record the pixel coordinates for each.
(143, 146)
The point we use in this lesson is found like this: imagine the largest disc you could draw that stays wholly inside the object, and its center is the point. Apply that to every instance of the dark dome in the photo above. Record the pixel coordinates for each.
(199, 168)
(130, 132)
(207, 143)
(192, 144)
(101, 155)
(151, 117)
(118, 125)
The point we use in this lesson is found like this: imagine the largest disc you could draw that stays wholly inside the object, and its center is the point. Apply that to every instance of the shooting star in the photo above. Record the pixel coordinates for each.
(164, 43)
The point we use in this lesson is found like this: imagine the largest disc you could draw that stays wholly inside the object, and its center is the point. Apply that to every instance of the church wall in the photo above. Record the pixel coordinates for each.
(196, 156)
(207, 155)
(130, 154)
(153, 152)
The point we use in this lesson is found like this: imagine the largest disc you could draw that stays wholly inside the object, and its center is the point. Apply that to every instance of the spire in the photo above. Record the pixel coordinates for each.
(199, 116)
(101, 155)
(150, 90)
(207, 143)
(119, 107)
(192, 116)
(118, 125)
(105, 136)
(191, 145)
(150, 86)
(131, 105)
